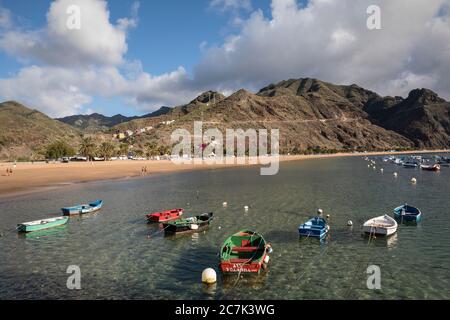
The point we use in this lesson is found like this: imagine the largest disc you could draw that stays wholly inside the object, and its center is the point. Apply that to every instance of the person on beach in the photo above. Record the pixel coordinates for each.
(7, 171)
(145, 170)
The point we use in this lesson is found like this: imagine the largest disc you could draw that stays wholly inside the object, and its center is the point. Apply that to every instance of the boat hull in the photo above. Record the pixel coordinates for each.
(165, 216)
(407, 214)
(380, 226)
(189, 225)
(314, 228)
(24, 228)
(431, 168)
(244, 252)
(83, 209)
(379, 231)
(242, 267)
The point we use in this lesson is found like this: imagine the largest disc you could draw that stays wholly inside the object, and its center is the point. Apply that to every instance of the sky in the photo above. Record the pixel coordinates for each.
(131, 56)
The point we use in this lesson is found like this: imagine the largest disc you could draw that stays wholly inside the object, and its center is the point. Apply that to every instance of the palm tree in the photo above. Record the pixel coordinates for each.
(123, 149)
(87, 148)
(151, 149)
(106, 150)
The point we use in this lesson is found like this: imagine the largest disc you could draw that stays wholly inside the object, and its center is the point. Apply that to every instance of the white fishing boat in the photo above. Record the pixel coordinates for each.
(382, 226)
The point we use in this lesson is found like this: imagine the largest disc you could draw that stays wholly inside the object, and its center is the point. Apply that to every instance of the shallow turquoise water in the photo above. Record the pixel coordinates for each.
(121, 257)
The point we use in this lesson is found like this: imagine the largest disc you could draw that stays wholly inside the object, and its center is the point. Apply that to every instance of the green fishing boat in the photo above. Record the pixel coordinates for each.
(188, 225)
(246, 252)
(42, 224)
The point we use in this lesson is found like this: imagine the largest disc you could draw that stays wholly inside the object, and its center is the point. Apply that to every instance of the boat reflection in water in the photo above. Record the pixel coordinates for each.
(43, 233)
(247, 280)
(383, 242)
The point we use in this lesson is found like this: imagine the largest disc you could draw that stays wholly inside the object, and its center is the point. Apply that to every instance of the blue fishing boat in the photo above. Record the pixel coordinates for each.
(316, 227)
(83, 208)
(408, 213)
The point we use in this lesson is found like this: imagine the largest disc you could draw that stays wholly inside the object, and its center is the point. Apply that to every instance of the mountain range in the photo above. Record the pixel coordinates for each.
(96, 122)
(311, 115)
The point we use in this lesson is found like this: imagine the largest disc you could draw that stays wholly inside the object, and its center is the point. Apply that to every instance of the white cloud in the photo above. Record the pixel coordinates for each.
(234, 5)
(97, 41)
(80, 65)
(328, 39)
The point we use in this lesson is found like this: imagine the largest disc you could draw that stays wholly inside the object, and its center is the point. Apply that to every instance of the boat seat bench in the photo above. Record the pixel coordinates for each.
(240, 260)
(245, 249)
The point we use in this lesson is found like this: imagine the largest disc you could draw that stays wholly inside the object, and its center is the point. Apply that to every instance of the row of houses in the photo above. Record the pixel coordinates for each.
(130, 133)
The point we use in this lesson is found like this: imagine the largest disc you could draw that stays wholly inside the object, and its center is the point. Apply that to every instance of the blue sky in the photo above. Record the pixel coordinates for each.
(169, 35)
(152, 53)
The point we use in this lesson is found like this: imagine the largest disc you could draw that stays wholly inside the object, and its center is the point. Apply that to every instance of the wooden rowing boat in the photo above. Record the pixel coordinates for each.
(244, 252)
(382, 226)
(316, 227)
(165, 216)
(407, 213)
(188, 225)
(41, 224)
(83, 208)
(434, 167)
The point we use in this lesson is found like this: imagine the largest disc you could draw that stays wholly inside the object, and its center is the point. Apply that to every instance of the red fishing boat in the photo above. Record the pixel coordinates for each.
(165, 216)
(435, 167)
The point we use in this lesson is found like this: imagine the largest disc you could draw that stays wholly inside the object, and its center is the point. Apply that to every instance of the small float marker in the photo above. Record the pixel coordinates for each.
(382, 170)
(246, 208)
(395, 174)
(209, 276)
(414, 180)
(349, 223)
(225, 204)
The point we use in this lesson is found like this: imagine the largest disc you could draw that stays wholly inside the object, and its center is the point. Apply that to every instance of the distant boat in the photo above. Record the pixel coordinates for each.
(398, 161)
(383, 226)
(434, 167)
(83, 208)
(444, 162)
(316, 227)
(410, 164)
(244, 252)
(42, 224)
(408, 213)
(188, 225)
(165, 216)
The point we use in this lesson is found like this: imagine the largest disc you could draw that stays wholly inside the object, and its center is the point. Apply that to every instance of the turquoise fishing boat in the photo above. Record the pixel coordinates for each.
(42, 224)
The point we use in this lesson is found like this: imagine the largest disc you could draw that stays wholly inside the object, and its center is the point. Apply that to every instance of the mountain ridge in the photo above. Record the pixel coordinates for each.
(311, 115)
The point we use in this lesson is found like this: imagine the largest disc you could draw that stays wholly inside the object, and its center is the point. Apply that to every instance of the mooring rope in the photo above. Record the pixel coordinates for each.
(372, 236)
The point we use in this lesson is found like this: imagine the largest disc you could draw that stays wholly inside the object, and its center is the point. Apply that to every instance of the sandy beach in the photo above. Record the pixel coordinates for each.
(38, 176)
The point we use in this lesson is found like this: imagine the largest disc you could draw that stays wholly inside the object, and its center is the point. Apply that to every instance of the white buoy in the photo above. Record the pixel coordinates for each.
(328, 216)
(368, 166)
(246, 208)
(209, 276)
(414, 180)
(395, 174)
(349, 223)
(382, 170)
(319, 212)
(225, 204)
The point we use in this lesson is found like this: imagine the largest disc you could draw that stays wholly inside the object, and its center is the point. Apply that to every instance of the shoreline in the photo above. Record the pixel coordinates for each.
(38, 177)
